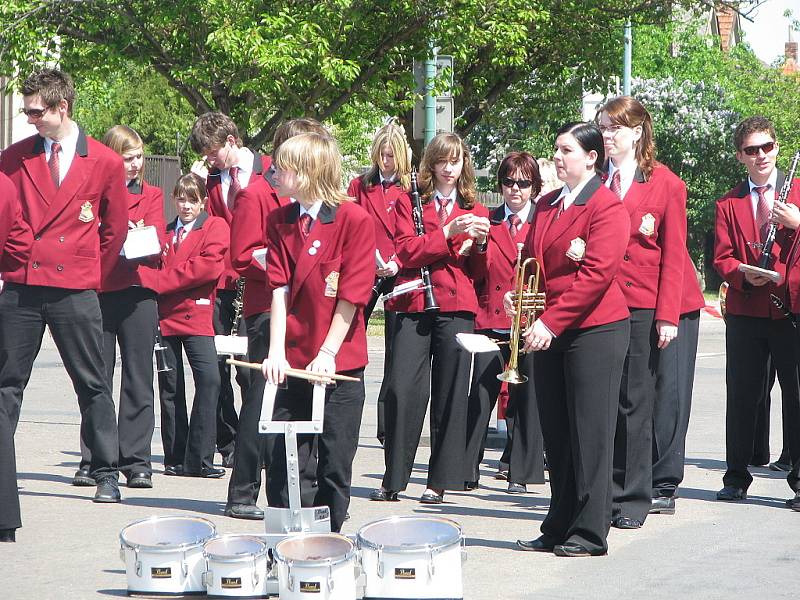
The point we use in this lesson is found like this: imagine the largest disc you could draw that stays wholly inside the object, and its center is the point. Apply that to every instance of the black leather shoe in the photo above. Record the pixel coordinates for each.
(794, 503)
(206, 473)
(573, 549)
(244, 511)
(540, 544)
(174, 470)
(731, 493)
(227, 461)
(663, 505)
(82, 478)
(141, 480)
(432, 497)
(107, 491)
(780, 466)
(470, 485)
(381, 495)
(516, 488)
(626, 523)
(8, 535)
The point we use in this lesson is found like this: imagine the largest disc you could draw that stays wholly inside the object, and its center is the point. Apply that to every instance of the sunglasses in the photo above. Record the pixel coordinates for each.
(34, 113)
(765, 148)
(522, 184)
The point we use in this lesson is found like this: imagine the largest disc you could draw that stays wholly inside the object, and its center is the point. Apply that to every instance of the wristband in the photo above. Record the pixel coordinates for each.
(327, 351)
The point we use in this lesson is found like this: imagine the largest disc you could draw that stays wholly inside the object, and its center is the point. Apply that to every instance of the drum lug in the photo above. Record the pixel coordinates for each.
(290, 577)
(255, 572)
(137, 562)
(380, 563)
(431, 567)
(463, 549)
(122, 553)
(208, 578)
(330, 576)
(184, 566)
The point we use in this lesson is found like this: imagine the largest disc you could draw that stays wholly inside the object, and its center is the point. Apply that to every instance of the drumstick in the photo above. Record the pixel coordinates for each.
(299, 373)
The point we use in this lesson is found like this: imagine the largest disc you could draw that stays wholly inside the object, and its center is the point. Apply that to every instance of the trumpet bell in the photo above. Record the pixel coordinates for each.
(512, 376)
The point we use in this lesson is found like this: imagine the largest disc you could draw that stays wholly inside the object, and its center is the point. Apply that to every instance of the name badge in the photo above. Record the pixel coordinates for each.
(577, 250)
(648, 226)
(332, 284)
(86, 216)
(202, 302)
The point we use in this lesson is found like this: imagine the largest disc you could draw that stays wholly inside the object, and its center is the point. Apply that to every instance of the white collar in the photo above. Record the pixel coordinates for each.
(313, 211)
(245, 162)
(570, 195)
(68, 143)
(627, 171)
(522, 213)
(185, 226)
(772, 181)
(451, 196)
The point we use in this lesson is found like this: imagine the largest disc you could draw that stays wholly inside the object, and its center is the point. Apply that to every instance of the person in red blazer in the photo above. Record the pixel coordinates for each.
(249, 238)
(757, 330)
(72, 192)
(654, 261)
(579, 235)
(130, 318)
(192, 262)
(320, 267)
(454, 249)
(377, 192)
(519, 181)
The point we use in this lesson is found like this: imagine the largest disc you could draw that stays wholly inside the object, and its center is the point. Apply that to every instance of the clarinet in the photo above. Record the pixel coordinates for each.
(419, 227)
(766, 252)
(160, 351)
(238, 305)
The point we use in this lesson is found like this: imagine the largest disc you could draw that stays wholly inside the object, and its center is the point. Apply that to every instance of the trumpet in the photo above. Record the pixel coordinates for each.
(528, 300)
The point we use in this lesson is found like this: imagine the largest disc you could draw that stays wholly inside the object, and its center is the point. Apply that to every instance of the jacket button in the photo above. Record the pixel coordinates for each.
(59, 267)
(497, 311)
(452, 292)
(187, 317)
(291, 343)
(61, 239)
(37, 237)
(626, 257)
(628, 284)
(497, 288)
(35, 264)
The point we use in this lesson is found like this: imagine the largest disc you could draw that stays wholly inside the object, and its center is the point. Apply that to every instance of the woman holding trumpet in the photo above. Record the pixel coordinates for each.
(578, 235)
(321, 275)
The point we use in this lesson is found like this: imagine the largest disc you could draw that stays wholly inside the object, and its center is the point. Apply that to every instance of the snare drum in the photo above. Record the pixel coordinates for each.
(317, 566)
(236, 566)
(164, 555)
(412, 557)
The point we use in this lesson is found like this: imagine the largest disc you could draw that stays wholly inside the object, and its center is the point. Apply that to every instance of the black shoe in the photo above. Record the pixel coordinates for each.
(381, 495)
(470, 485)
(502, 472)
(8, 535)
(663, 505)
(540, 544)
(347, 516)
(107, 491)
(141, 480)
(206, 473)
(731, 493)
(573, 549)
(174, 470)
(794, 503)
(626, 523)
(432, 497)
(244, 511)
(780, 466)
(516, 488)
(227, 461)
(82, 478)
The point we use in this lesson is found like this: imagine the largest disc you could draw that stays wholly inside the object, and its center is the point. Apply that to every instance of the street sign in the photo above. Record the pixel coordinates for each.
(444, 117)
(443, 61)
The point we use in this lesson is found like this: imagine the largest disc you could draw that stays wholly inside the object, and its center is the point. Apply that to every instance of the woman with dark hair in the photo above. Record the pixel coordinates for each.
(661, 290)
(579, 234)
(519, 181)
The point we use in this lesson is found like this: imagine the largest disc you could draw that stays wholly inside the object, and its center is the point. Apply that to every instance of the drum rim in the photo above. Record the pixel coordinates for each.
(228, 558)
(166, 549)
(348, 556)
(363, 542)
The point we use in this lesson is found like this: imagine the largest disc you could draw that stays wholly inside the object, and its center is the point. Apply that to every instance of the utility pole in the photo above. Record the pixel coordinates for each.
(627, 59)
(430, 99)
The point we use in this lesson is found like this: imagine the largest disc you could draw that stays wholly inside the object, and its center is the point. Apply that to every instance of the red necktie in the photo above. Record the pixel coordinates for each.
(389, 201)
(442, 212)
(181, 236)
(762, 211)
(234, 187)
(387, 183)
(53, 163)
(616, 185)
(305, 224)
(513, 225)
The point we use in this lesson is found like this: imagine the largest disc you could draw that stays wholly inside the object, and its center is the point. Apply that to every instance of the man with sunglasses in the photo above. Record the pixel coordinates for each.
(73, 196)
(756, 329)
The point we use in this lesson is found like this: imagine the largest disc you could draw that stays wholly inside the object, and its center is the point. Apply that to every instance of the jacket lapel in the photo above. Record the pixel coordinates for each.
(377, 197)
(35, 165)
(502, 235)
(557, 227)
(192, 239)
(636, 193)
(314, 247)
(745, 221)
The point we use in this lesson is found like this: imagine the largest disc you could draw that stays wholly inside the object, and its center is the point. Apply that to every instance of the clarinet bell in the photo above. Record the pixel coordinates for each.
(161, 358)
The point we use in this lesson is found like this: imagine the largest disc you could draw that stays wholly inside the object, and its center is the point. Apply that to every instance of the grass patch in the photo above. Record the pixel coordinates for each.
(375, 325)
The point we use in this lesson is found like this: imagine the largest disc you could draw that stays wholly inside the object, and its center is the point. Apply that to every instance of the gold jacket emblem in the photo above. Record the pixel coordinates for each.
(332, 284)
(648, 226)
(86, 216)
(577, 250)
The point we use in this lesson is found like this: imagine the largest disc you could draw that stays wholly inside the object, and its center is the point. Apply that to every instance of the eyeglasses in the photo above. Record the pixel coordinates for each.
(522, 184)
(33, 113)
(765, 148)
(612, 129)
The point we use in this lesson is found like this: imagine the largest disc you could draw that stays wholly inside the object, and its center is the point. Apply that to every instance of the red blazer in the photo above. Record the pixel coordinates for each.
(145, 207)
(655, 258)
(374, 199)
(452, 273)
(248, 233)
(581, 293)
(792, 297)
(78, 228)
(217, 207)
(187, 280)
(735, 230)
(16, 238)
(333, 263)
(501, 262)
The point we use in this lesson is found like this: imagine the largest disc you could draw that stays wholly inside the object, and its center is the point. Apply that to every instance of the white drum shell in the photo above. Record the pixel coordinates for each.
(236, 567)
(164, 555)
(317, 567)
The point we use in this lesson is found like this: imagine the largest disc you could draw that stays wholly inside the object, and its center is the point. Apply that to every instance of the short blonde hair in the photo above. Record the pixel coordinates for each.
(316, 160)
(547, 170)
(390, 135)
(444, 147)
(122, 139)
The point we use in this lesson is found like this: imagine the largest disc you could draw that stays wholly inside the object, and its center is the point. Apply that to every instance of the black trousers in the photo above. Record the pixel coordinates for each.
(524, 450)
(750, 342)
(673, 405)
(383, 286)
(189, 442)
(336, 446)
(761, 453)
(427, 357)
(577, 386)
(74, 320)
(130, 317)
(253, 450)
(633, 441)
(227, 419)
